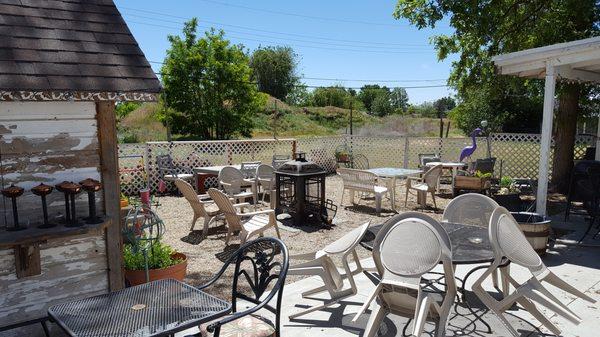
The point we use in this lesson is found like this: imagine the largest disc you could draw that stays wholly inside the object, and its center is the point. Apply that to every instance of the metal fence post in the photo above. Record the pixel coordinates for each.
(406, 144)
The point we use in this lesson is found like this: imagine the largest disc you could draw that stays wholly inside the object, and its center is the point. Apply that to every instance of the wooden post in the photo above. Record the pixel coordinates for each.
(109, 169)
(546, 140)
(294, 148)
(406, 144)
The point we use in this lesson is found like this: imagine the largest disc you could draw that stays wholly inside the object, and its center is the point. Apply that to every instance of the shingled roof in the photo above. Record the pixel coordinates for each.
(75, 46)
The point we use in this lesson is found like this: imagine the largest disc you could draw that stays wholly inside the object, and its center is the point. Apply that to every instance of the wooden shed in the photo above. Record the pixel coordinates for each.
(64, 64)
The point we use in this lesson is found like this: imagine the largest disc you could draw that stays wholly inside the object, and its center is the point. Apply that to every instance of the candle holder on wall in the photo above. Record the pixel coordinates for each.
(70, 190)
(42, 190)
(91, 186)
(13, 192)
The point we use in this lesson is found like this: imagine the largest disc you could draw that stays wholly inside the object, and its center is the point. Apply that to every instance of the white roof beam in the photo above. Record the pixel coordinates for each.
(566, 72)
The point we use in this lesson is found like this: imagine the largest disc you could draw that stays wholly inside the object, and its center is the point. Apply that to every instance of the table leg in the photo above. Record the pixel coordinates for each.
(393, 193)
(454, 173)
(422, 198)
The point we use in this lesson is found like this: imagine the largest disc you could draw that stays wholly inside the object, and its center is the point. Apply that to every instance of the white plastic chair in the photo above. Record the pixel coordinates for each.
(202, 206)
(426, 184)
(476, 209)
(509, 242)
(362, 181)
(265, 177)
(249, 168)
(407, 247)
(247, 224)
(321, 264)
(234, 184)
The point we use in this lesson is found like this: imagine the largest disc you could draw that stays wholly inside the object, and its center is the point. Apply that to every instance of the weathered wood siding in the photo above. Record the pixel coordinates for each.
(72, 268)
(46, 142)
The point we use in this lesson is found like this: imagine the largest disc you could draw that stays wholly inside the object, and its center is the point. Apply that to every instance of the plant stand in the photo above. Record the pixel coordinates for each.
(477, 184)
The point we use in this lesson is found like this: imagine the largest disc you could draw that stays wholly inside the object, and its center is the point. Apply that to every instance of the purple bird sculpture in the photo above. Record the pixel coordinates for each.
(467, 151)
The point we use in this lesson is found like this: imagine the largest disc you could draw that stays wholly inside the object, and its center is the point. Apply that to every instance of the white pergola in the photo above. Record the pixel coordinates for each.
(571, 61)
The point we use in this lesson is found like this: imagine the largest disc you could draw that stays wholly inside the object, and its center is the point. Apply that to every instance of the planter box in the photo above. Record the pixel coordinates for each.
(178, 272)
(511, 202)
(471, 183)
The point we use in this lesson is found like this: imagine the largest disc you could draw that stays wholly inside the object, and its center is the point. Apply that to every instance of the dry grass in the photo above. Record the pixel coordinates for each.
(206, 255)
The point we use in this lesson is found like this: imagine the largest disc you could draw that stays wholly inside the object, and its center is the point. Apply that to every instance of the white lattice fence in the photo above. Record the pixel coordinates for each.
(321, 150)
(132, 168)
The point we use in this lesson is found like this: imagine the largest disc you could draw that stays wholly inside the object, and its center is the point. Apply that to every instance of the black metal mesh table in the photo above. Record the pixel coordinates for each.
(470, 244)
(159, 308)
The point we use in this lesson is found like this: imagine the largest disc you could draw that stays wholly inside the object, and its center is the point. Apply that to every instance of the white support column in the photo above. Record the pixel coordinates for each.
(546, 140)
(597, 157)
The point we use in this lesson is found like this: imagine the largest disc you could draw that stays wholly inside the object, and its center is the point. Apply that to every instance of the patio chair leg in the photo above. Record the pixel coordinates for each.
(314, 291)
(495, 278)
(421, 315)
(377, 315)
(313, 309)
(342, 197)
(433, 197)
(277, 230)
(532, 309)
(378, 198)
(406, 198)
(504, 272)
(194, 222)
(207, 221)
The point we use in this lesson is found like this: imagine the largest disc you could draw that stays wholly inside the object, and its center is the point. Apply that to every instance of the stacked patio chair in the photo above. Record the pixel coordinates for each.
(169, 171)
(202, 206)
(425, 158)
(407, 247)
(321, 264)
(246, 224)
(235, 184)
(508, 242)
(364, 182)
(248, 168)
(265, 178)
(260, 270)
(476, 209)
(360, 162)
(425, 184)
(279, 159)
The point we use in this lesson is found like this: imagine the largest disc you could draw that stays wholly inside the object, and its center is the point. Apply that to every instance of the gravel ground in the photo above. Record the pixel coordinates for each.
(206, 256)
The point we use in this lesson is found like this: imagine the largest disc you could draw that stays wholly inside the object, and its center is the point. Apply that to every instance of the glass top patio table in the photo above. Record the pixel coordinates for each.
(470, 244)
(158, 308)
(393, 172)
(213, 170)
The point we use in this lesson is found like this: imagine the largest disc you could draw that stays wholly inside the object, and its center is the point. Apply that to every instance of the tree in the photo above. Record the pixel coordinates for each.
(298, 96)
(207, 86)
(382, 105)
(369, 92)
(274, 68)
(399, 99)
(442, 106)
(484, 29)
(331, 96)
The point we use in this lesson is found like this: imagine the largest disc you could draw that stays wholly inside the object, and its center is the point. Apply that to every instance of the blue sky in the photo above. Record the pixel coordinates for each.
(338, 42)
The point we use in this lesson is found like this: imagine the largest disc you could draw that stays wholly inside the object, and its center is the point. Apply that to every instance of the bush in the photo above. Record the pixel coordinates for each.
(159, 256)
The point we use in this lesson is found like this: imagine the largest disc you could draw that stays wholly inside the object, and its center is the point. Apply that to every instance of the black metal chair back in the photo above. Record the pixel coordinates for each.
(425, 158)
(260, 268)
(360, 162)
(165, 165)
(579, 177)
(279, 159)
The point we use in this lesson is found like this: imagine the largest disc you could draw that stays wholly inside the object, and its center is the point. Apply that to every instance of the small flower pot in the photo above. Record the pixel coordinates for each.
(124, 203)
(177, 272)
(343, 158)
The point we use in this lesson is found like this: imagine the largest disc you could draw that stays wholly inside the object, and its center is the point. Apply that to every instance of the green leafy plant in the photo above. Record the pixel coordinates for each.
(159, 256)
(481, 175)
(508, 186)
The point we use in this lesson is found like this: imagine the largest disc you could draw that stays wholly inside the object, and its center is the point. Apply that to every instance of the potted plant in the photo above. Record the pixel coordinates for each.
(477, 181)
(508, 194)
(163, 263)
(342, 156)
(124, 202)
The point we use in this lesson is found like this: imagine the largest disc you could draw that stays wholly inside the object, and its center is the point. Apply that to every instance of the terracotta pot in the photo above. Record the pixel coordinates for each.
(178, 272)
(124, 203)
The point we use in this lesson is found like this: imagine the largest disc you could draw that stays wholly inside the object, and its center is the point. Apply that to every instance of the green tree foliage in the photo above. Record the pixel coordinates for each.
(207, 86)
(299, 96)
(399, 99)
(274, 68)
(484, 29)
(331, 96)
(382, 105)
(369, 92)
(124, 108)
(443, 105)
(425, 109)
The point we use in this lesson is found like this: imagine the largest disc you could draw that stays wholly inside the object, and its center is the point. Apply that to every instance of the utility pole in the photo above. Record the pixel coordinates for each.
(351, 118)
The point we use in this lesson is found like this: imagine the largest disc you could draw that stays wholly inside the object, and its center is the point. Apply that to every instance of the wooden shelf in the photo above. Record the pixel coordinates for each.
(35, 235)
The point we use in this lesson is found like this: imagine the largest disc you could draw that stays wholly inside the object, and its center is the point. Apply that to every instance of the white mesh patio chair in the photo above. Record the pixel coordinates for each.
(265, 178)
(247, 224)
(235, 185)
(363, 182)
(425, 184)
(407, 247)
(508, 242)
(202, 206)
(321, 264)
(248, 168)
(476, 209)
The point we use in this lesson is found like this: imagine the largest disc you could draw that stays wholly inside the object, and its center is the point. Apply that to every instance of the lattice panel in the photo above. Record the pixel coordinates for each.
(132, 168)
(321, 150)
(421, 145)
(380, 151)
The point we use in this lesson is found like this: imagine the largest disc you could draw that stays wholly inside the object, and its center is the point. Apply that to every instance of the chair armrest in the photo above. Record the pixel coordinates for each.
(305, 256)
(266, 211)
(241, 206)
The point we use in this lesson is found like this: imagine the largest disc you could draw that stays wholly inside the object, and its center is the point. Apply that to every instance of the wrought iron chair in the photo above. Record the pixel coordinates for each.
(247, 224)
(260, 270)
(485, 165)
(169, 171)
(234, 184)
(407, 247)
(202, 206)
(425, 158)
(589, 192)
(279, 159)
(364, 182)
(360, 162)
(320, 263)
(423, 185)
(508, 241)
